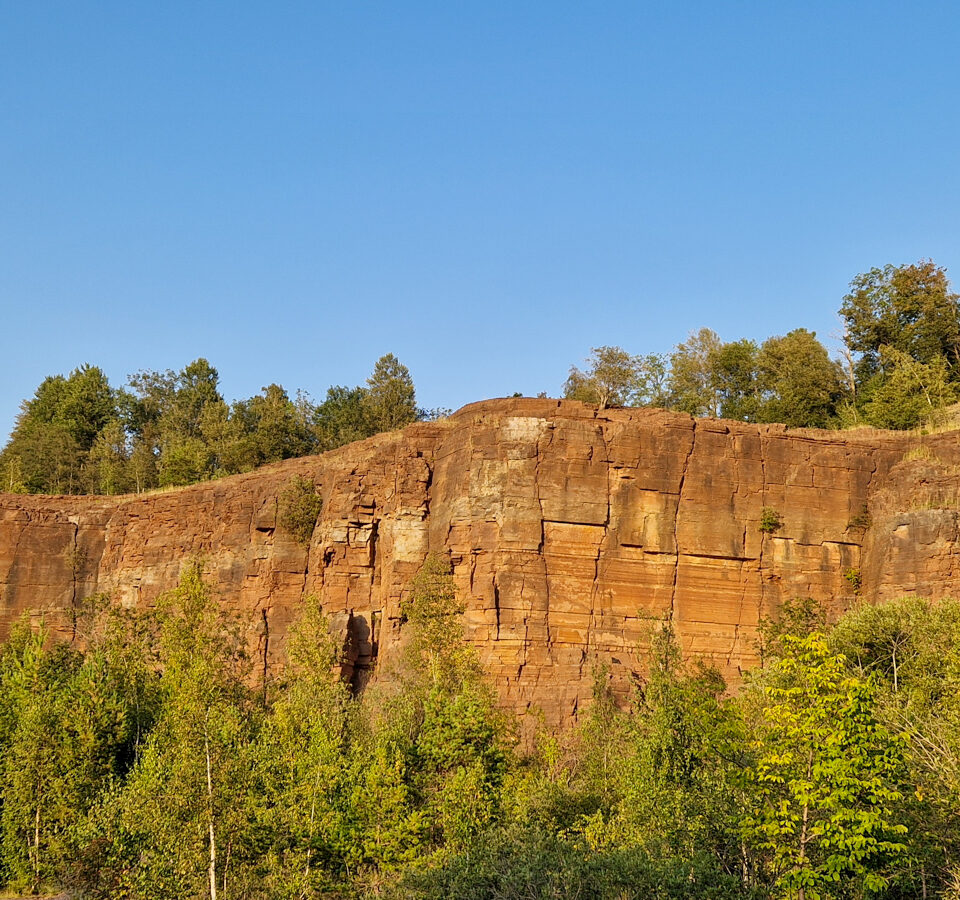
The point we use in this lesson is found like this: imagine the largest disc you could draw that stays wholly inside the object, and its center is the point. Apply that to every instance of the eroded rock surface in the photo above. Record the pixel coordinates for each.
(568, 530)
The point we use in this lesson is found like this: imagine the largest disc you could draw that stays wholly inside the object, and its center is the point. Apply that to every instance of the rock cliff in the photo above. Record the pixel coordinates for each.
(567, 529)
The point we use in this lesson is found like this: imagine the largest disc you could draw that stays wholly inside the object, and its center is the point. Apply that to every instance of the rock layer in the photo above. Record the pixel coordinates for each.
(568, 530)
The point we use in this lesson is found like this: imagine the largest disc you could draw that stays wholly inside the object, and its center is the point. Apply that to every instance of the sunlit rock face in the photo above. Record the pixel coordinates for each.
(569, 531)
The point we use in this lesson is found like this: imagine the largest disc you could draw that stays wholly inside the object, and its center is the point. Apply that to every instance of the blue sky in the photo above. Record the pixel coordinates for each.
(486, 189)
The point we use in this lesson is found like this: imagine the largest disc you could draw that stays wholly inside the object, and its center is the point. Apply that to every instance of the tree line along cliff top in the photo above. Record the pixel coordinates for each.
(898, 368)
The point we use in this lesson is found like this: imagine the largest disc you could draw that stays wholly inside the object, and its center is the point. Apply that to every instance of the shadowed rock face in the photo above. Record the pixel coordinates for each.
(567, 530)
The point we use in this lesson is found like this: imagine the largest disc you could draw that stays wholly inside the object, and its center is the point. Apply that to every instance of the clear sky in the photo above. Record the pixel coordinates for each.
(486, 189)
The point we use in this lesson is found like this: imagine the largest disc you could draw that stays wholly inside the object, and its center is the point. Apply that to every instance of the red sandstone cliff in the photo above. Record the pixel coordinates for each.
(567, 529)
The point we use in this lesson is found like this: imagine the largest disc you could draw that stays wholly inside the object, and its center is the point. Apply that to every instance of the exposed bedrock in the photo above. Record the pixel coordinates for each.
(567, 529)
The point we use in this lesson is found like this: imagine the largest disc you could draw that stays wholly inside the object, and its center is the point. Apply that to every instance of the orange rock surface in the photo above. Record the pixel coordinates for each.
(568, 530)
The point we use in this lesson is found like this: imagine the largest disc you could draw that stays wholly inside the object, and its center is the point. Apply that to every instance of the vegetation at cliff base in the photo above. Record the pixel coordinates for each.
(159, 761)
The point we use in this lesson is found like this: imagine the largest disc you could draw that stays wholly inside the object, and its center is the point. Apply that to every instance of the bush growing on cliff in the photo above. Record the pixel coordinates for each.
(298, 507)
(770, 520)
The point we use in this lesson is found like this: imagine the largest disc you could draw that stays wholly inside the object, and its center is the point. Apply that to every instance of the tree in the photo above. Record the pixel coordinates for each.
(611, 378)
(693, 387)
(66, 728)
(827, 778)
(47, 457)
(734, 375)
(87, 404)
(302, 762)
(390, 399)
(168, 412)
(910, 647)
(175, 826)
(108, 461)
(652, 380)
(906, 391)
(679, 791)
(910, 308)
(342, 417)
(801, 385)
(56, 429)
(277, 426)
(298, 507)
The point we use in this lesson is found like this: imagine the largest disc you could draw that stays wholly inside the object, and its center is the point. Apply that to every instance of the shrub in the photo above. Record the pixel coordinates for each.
(298, 507)
(861, 519)
(529, 864)
(854, 579)
(770, 520)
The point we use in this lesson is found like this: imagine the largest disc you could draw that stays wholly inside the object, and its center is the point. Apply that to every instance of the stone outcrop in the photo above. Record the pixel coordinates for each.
(568, 530)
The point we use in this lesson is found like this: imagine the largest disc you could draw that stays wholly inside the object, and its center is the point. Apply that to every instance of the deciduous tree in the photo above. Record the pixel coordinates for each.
(827, 778)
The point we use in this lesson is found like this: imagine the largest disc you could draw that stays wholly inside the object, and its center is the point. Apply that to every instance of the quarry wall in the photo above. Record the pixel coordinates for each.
(568, 530)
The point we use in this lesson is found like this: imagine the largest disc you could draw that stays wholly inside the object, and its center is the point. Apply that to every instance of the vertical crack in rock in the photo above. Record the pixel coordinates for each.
(601, 545)
(761, 594)
(266, 651)
(428, 485)
(75, 563)
(374, 552)
(539, 451)
(306, 567)
(676, 521)
(546, 613)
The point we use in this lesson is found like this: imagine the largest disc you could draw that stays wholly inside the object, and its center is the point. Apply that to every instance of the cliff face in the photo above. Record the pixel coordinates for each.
(567, 530)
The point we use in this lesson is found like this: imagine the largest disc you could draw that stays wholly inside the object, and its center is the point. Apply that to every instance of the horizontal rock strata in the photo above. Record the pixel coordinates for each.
(569, 531)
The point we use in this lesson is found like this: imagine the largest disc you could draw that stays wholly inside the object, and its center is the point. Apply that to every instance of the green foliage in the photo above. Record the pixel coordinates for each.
(900, 366)
(800, 384)
(911, 649)
(158, 833)
(610, 379)
(906, 391)
(680, 795)
(436, 645)
(770, 520)
(155, 763)
(298, 507)
(56, 429)
(692, 383)
(733, 373)
(854, 579)
(11, 474)
(390, 400)
(827, 778)
(533, 864)
(67, 728)
(342, 417)
(80, 435)
(909, 309)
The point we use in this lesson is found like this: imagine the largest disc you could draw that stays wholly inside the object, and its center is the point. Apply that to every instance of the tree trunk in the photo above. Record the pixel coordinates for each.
(213, 839)
(36, 846)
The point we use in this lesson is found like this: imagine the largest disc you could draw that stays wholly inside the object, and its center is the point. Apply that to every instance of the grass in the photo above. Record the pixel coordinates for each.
(919, 452)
